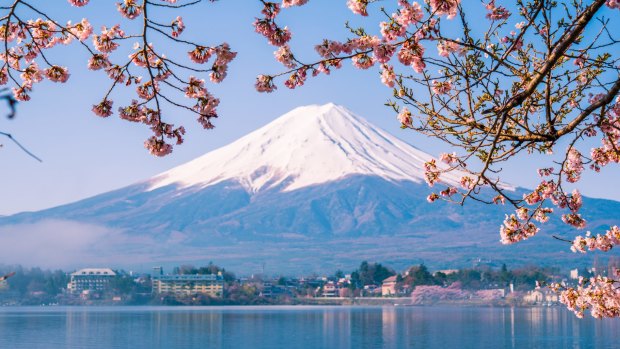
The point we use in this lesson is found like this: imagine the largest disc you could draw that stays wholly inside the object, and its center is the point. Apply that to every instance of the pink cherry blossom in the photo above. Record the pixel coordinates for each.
(445, 48)
(264, 83)
(201, 54)
(431, 173)
(613, 4)
(390, 31)
(219, 73)
(78, 3)
(103, 109)
(206, 108)
(106, 41)
(408, 14)
(411, 53)
(82, 30)
(285, 56)
(499, 199)
(290, 3)
(147, 90)
(383, 52)
(449, 191)
(603, 242)
(133, 112)
(512, 230)
(223, 54)
(195, 88)
(445, 7)
(404, 117)
(177, 26)
(497, 13)
(542, 214)
(296, 79)
(57, 74)
(275, 35)
(362, 61)
(129, 8)
(544, 172)
(432, 197)
(449, 159)
(388, 77)
(598, 294)
(442, 87)
(4, 76)
(575, 201)
(270, 10)
(329, 48)
(358, 7)
(575, 220)
(157, 146)
(522, 213)
(573, 167)
(43, 32)
(21, 93)
(467, 182)
(98, 61)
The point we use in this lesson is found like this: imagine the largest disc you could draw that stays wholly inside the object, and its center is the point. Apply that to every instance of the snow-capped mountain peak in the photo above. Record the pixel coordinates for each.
(307, 146)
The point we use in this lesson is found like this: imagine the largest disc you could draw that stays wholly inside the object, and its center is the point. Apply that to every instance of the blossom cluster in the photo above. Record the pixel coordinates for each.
(573, 167)
(364, 51)
(602, 242)
(614, 4)
(26, 42)
(550, 190)
(609, 151)
(496, 13)
(515, 229)
(445, 7)
(268, 27)
(598, 294)
(359, 7)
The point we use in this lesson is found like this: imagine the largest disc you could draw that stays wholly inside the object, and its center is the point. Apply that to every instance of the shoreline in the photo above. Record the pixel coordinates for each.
(310, 303)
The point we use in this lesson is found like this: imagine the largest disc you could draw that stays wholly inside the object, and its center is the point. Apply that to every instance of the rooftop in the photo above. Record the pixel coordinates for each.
(95, 271)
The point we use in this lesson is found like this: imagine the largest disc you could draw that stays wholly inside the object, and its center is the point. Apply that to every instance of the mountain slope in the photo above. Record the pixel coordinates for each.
(307, 146)
(319, 188)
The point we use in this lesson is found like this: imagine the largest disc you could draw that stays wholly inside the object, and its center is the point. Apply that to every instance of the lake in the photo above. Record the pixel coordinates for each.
(301, 327)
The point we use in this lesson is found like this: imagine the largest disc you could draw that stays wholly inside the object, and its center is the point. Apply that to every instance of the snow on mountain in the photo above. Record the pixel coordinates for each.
(307, 146)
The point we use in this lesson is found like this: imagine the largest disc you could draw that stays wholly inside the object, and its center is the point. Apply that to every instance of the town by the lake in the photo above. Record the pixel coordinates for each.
(369, 284)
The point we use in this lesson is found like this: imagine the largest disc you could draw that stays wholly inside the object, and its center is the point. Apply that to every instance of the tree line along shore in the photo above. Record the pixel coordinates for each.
(369, 284)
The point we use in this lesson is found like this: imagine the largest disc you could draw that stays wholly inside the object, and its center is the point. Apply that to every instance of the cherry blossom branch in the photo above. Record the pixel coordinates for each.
(25, 43)
(23, 148)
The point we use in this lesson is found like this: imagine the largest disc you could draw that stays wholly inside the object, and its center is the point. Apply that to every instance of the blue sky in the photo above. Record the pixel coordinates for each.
(85, 155)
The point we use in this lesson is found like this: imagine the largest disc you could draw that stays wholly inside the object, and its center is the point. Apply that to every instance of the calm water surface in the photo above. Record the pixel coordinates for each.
(301, 327)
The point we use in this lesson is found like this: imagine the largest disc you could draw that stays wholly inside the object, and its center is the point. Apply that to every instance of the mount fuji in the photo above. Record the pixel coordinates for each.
(317, 189)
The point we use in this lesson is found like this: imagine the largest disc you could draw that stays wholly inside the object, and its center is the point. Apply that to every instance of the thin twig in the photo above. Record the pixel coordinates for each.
(9, 136)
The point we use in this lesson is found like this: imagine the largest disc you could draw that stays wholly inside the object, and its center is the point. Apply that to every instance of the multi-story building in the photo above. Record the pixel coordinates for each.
(330, 289)
(388, 286)
(182, 284)
(90, 279)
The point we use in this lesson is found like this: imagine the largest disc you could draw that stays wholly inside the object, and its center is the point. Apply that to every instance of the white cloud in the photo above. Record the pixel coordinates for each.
(61, 244)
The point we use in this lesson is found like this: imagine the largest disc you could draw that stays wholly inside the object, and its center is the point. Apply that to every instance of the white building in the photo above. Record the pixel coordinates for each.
(90, 279)
(181, 284)
(574, 274)
(388, 286)
(330, 289)
(541, 296)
